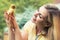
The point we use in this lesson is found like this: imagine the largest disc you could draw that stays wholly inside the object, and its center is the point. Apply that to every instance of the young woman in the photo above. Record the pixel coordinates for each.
(38, 28)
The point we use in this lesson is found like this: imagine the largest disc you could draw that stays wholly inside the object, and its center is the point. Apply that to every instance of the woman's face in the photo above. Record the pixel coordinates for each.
(40, 15)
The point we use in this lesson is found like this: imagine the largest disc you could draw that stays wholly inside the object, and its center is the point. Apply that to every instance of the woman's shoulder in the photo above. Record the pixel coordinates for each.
(28, 26)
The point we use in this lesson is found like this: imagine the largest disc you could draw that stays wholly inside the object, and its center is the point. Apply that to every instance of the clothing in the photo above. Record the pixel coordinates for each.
(30, 28)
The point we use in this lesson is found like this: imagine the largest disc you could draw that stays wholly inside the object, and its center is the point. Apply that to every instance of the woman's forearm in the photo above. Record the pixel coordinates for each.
(17, 31)
(11, 35)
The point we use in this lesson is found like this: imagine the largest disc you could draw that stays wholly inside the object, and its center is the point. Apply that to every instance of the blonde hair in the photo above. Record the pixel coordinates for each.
(52, 9)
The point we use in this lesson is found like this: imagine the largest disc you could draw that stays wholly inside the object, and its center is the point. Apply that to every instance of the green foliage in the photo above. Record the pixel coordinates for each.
(26, 16)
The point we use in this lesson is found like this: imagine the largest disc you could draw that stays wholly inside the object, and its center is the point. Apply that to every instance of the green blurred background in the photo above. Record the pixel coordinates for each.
(24, 11)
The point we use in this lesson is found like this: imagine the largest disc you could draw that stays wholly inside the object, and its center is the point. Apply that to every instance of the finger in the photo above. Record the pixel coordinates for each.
(11, 18)
(6, 15)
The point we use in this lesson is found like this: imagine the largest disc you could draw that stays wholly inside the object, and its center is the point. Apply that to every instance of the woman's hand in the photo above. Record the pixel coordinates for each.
(9, 14)
(9, 17)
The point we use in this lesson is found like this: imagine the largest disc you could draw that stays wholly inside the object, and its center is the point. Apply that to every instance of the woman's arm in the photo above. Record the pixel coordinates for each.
(11, 34)
(14, 31)
(18, 34)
